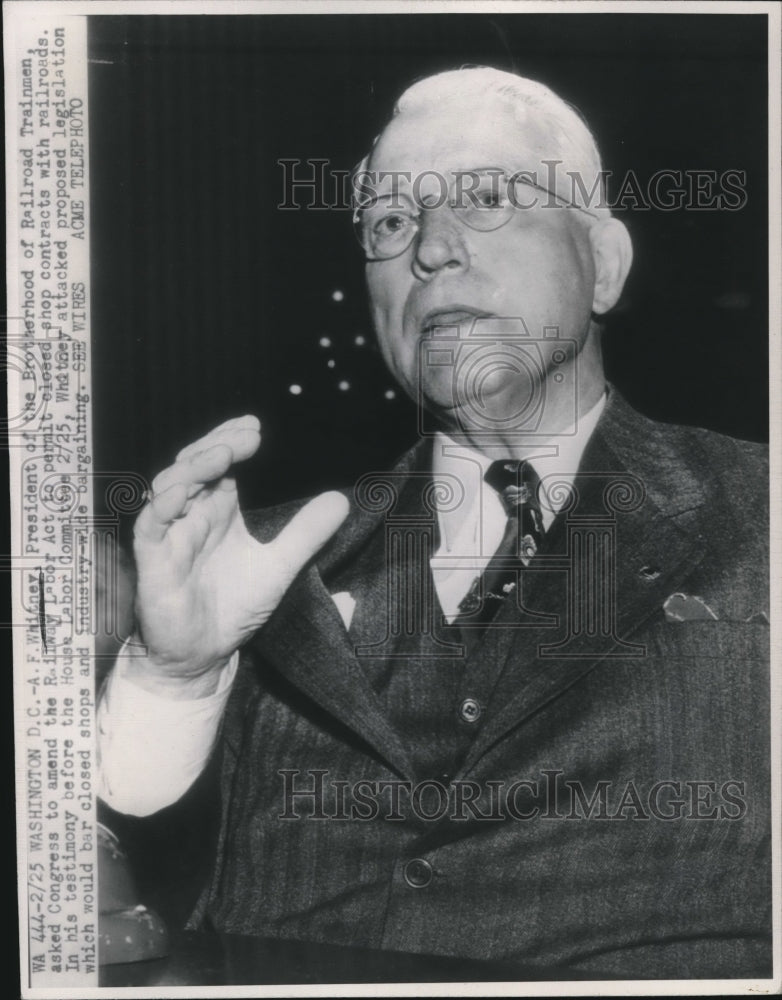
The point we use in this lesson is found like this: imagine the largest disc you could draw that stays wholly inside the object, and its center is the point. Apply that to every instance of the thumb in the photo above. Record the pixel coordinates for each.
(307, 532)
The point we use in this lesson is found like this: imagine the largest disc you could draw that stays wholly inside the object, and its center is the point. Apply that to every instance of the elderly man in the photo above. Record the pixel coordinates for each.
(508, 699)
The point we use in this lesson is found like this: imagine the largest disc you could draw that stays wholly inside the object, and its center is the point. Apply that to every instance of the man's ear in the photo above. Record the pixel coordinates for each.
(612, 253)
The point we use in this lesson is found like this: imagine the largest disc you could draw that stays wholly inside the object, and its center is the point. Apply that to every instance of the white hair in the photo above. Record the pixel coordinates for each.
(568, 139)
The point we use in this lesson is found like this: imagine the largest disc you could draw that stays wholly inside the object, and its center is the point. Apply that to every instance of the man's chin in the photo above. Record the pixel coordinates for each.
(481, 427)
(493, 409)
(456, 423)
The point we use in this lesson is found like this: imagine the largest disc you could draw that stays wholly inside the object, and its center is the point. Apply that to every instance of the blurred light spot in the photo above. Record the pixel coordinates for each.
(344, 386)
(389, 394)
(360, 341)
(294, 390)
(325, 341)
(331, 363)
(337, 295)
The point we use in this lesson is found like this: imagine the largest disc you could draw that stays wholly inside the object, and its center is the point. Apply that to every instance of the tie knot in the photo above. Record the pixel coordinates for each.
(516, 482)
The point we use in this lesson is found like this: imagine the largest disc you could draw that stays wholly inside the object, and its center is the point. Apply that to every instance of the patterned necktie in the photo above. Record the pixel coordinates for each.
(517, 485)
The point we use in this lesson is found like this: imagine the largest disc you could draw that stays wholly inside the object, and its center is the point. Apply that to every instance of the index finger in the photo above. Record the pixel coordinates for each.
(195, 472)
(241, 434)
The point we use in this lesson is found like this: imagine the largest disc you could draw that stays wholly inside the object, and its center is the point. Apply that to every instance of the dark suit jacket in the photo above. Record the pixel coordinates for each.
(638, 844)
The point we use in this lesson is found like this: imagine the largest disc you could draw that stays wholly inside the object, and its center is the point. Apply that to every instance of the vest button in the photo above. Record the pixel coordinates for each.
(470, 710)
(418, 873)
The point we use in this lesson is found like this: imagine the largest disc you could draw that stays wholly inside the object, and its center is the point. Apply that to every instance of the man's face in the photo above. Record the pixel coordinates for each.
(538, 266)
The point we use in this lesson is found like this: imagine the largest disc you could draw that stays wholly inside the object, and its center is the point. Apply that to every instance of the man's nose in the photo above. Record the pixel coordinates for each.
(439, 244)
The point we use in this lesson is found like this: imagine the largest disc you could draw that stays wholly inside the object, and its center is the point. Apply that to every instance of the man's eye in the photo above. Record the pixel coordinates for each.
(489, 197)
(392, 225)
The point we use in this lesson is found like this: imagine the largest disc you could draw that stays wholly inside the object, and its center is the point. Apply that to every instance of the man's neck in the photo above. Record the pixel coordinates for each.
(556, 424)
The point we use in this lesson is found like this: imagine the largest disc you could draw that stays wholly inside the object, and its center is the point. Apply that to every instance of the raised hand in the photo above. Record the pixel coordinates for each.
(204, 584)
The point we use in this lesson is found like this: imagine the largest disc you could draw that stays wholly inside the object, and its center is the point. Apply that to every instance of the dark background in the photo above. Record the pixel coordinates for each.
(208, 301)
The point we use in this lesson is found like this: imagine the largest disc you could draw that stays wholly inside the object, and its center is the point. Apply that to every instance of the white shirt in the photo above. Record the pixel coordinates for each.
(472, 524)
(152, 748)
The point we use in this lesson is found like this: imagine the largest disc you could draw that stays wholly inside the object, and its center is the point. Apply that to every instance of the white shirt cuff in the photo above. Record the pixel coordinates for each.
(151, 748)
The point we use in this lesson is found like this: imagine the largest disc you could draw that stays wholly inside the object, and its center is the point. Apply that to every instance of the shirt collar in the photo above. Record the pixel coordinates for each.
(468, 466)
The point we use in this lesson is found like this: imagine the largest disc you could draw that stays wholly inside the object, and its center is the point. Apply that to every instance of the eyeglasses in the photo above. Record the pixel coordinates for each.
(483, 200)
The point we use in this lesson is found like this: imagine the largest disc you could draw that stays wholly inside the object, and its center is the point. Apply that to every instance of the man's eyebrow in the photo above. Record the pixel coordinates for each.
(389, 198)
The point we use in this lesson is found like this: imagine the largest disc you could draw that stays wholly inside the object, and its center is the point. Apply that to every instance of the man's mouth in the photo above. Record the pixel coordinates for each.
(450, 317)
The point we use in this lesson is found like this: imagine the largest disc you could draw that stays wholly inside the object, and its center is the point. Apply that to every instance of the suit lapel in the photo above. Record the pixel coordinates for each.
(657, 544)
(306, 640)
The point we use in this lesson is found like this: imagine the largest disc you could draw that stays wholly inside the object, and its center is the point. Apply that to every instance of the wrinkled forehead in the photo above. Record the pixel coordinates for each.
(453, 136)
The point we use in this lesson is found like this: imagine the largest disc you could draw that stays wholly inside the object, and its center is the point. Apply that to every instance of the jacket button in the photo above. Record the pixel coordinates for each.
(470, 710)
(418, 873)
